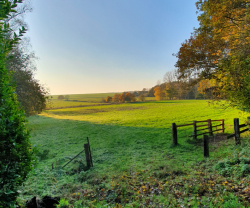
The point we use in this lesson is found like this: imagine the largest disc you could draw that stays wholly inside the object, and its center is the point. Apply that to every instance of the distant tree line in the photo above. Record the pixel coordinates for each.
(174, 88)
(120, 98)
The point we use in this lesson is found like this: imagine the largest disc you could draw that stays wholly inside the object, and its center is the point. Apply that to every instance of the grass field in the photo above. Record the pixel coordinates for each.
(81, 100)
(131, 146)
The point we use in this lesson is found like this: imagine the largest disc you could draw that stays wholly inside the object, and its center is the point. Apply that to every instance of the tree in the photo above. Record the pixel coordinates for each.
(171, 90)
(151, 92)
(60, 97)
(66, 97)
(115, 98)
(108, 99)
(219, 50)
(159, 94)
(30, 94)
(21, 60)
(121, 98)
(129, 97)
(142, 97)
(15, 153)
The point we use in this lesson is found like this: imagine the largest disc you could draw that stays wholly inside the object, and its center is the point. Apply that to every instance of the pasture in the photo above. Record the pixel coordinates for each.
(130, 140)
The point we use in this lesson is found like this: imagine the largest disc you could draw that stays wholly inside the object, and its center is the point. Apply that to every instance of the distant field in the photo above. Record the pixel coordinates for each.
(81, 100)
(87, 97)
(124, 138)
(77, 100)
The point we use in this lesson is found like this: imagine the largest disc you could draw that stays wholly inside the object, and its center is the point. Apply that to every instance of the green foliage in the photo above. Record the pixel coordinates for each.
(142, 98)
(21, 65)
(15, 153)
(63, 204)
(66, 97)
(237, 163)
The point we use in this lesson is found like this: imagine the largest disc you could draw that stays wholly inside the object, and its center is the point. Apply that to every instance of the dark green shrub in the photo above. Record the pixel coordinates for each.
(15, 153)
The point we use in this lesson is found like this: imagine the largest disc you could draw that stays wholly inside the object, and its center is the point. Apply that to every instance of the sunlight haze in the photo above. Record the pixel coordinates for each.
(107, 46)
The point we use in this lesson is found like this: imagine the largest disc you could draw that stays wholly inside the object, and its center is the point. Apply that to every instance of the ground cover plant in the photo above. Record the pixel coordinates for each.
(135, 164)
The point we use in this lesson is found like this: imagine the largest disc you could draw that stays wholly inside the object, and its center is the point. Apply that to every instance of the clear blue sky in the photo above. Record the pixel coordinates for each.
(93, 46)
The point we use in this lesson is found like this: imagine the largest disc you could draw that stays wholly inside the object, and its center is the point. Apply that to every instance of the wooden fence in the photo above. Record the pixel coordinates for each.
(210, 131)
(196, 128)
(237, 131)
(87, 155)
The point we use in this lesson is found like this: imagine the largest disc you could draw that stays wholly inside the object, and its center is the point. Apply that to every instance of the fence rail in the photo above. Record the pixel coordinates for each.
(87, 155)
(237, 131)
(196, 128)
(210, 131)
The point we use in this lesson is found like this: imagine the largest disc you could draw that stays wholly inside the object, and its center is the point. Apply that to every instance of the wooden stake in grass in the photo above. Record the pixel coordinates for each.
(248, 123)
(222, 126)
(209, 125)
(174, 131)
(205, 146)
(237, 131)
(86, 148)
(90, 153)
(194, 130)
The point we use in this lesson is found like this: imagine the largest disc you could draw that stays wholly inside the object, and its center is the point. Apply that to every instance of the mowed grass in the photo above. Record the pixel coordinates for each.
(124, 138)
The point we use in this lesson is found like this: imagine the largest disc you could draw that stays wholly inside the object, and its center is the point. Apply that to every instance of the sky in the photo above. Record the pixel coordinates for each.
(97, 46)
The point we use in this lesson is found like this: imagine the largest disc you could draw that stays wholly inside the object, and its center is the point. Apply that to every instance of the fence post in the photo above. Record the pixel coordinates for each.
(222, 126)
(248, 123)
(90, 153)
(174, 131)
(205, 146)
(86, 148)
(194, 130)
(209, 124)
(236, 131)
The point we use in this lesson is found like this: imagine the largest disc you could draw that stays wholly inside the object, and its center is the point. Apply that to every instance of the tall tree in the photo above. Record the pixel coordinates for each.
(15, 155)
(21, 64)
(219, 50)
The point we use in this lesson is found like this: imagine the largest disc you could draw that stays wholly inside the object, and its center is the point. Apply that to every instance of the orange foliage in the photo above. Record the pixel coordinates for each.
(159, 94)
(121, 98)
(108, 99)
(130, 97)
(115, 99)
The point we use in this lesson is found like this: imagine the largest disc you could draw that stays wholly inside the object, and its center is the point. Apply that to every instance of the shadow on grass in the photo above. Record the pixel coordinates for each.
(114, 148)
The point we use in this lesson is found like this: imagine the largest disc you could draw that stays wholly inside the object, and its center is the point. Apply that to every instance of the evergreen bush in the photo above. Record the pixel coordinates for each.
(15, 148)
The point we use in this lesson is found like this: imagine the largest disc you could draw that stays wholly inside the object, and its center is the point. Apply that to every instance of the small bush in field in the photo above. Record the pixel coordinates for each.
(142, 98)
(108, 99)
(60, 97)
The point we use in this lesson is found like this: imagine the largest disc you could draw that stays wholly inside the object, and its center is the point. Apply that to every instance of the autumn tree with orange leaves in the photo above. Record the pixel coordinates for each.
(108, 99)
(219, 50)
(159, 93)
(115, 98)
(129, 97)
(121, 98)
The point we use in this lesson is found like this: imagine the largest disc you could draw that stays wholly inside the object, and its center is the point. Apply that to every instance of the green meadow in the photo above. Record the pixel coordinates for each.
(132, 152)
(81, 100)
